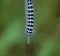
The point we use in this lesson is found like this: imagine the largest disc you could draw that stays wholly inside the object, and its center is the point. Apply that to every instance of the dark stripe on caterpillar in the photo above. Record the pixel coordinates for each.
(30, 14)
(30, 21)
(29, 7)
(29, 29)
(30, 25)
(31, 18)
(30, 11)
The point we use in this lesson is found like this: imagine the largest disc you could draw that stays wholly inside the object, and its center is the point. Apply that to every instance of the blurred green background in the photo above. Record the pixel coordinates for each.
(46, 39)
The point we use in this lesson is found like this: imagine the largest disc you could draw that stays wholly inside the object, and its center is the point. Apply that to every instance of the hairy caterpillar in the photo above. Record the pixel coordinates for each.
(30, 18)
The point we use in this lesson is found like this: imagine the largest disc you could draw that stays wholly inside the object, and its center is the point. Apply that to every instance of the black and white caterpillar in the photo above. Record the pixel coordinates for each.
(30, 19)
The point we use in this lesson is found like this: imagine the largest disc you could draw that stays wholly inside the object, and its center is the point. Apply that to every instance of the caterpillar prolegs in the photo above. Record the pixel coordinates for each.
(30, 19)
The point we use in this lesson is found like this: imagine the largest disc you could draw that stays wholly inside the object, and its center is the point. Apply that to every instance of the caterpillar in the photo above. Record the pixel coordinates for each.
(30, 18)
